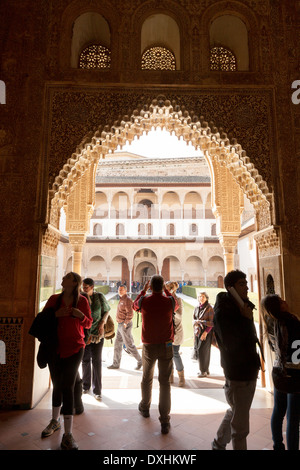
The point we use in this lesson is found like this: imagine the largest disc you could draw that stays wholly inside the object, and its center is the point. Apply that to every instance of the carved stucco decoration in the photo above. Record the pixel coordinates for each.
(217, 148)
(268, 242)
(76, 117)
(50, 241)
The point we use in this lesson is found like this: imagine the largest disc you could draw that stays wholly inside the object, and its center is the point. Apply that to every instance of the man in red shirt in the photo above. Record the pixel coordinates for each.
(157, 336)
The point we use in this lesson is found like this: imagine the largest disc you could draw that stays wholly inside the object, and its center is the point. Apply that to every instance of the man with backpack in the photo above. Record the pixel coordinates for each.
(92, 359)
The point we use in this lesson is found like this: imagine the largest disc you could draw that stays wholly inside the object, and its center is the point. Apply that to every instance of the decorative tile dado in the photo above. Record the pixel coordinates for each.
(10, 334)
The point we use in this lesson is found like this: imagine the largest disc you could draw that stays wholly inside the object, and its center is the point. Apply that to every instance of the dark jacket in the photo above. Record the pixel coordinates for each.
(44, 328)
(284, 336)
(237, 340)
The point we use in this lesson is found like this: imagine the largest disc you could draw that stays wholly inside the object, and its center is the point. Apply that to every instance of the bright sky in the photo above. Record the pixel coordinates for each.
(160, 143)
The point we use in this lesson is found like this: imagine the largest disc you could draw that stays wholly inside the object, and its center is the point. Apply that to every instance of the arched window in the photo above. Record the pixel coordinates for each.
(120, 230)
(146, 206)
(222, 59)
(158, 58)
(95, 57)
(91, 42)
(141, 229)
(193, 229)
(160, 43)
(270, 287)
(229, 44)
(97, 229)
(171, 230)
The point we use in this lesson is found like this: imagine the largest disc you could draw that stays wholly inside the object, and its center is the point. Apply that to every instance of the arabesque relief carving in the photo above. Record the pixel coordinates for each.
(234, 173)
(243, 117)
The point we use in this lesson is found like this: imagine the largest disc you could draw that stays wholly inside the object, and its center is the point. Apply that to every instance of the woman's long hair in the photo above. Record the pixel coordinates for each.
(76, 290)
(274, 320)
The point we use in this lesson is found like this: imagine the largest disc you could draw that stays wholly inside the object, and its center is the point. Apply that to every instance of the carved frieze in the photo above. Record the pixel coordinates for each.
(50, 241)
(77, 114)
(268, 242)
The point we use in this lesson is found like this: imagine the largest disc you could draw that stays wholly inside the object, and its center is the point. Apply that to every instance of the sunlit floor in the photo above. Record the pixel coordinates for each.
(115, 424)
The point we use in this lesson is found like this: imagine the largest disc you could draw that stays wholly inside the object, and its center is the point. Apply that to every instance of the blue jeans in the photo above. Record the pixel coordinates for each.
(177, 358)
(286, 404)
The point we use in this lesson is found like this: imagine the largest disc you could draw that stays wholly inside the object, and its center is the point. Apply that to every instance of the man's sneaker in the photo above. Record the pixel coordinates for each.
(216, 446)
(113, 367)
(144, 413)
(53, 426)
(68, 442)
(202, 374)
(97, 396)
(165, 428)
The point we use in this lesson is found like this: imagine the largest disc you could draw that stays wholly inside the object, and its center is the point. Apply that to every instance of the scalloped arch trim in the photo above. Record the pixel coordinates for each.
(163, 113)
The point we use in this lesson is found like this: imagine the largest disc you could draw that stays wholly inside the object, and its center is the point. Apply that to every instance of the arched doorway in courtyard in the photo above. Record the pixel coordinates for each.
(232, 175)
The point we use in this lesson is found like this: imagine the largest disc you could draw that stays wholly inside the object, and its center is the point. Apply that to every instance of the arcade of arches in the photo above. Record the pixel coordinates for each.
(216, 74)
(153, 216)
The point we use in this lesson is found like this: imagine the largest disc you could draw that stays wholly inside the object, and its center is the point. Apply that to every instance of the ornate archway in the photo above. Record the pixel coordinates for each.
(232, 175)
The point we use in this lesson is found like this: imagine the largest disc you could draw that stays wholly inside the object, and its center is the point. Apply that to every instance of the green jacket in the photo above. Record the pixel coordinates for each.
(99, 306)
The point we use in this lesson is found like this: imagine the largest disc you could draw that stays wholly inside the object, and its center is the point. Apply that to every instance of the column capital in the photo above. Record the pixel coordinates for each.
(77, 240)
(228, 242)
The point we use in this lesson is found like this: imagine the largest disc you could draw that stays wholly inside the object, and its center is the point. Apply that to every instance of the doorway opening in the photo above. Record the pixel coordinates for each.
(186, 215)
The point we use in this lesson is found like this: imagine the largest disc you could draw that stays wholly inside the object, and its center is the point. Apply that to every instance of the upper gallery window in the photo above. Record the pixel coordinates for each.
(160, 43)
(229, 44)
(95, 57)
(222, 59)
(91, 42)
(158, 58)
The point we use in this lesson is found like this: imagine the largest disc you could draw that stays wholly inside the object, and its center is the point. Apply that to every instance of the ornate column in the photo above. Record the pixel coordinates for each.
(77, 241)
(228, 243)
(79, 208)
(270, 260)
(159, 266)
(227, 206)
(130, 267)
(270, 280)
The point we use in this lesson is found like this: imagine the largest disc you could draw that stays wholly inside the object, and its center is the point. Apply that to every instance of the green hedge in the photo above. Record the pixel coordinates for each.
(191, 291)
(103, 289)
